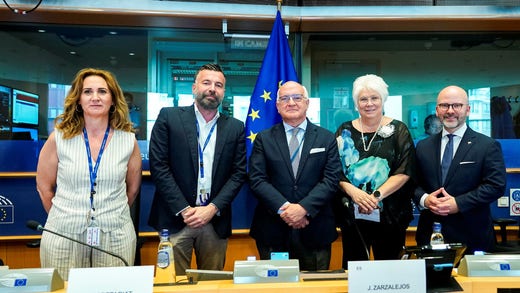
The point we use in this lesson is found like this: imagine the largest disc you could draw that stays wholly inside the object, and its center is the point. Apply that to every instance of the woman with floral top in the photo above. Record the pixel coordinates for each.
(377, 155)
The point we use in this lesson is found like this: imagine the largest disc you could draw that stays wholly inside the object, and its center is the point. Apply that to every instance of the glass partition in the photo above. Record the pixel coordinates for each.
(155, 66)
(416, 67)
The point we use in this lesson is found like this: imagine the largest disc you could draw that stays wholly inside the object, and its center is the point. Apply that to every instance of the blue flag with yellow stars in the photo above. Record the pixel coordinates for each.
(277, 68)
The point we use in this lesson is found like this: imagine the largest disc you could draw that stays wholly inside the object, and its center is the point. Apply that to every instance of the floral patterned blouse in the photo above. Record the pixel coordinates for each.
(390, 152)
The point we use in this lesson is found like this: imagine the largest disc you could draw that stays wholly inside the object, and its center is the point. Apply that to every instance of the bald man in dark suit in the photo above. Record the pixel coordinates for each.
(475, 178)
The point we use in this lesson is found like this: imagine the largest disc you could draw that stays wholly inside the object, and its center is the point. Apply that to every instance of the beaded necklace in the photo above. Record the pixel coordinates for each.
(366, 148)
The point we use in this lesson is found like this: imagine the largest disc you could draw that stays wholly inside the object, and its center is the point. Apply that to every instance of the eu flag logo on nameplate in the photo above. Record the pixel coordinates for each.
(505, 267)
(20, 282)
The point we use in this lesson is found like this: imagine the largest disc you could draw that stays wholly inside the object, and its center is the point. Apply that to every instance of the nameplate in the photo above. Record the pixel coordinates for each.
(387, 276)
(266, 271)
(492, 265)
(30, 280)
(195, 275)
(111, 279)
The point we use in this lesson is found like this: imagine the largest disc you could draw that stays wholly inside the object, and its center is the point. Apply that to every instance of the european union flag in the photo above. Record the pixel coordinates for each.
(277, 68)
(20, 282)
(6, 214)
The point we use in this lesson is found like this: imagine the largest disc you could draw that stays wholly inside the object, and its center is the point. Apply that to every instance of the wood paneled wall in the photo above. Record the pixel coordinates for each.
(16, 254)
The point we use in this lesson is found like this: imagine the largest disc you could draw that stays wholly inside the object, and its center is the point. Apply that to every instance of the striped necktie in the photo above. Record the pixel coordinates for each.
(294, 151)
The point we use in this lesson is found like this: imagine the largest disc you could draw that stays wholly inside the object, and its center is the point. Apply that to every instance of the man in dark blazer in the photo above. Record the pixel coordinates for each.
(294, 212)
(475, 178)
(198, 165)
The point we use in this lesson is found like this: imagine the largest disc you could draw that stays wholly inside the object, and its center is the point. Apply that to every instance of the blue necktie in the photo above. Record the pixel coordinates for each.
(447, 157)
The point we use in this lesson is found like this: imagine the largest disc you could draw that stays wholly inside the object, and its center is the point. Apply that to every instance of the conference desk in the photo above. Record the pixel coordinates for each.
(488, 284)
(228, 286)
(469, 284)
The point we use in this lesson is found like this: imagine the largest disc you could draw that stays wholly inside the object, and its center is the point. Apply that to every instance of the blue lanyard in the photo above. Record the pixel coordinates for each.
(201, 150)
(93, 171)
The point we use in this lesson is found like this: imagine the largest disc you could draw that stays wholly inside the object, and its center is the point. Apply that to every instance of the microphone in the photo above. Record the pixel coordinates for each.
(33, 225)
(344, 202)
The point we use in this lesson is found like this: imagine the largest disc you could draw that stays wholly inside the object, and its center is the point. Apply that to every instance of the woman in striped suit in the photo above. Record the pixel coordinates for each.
(88, 175)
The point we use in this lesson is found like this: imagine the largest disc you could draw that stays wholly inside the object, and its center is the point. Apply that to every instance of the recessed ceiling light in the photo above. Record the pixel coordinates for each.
(131, 54)
(41, 30)
(113, 33)
(72, 52)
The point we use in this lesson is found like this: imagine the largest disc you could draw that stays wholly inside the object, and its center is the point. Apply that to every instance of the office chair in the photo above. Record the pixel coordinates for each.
(505, 246)
(135, 215)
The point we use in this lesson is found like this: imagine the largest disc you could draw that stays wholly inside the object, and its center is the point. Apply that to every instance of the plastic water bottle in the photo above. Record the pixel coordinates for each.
(165, 268)
(436, 237)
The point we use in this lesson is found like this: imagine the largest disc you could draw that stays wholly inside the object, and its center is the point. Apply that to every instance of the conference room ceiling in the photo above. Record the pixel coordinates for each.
(303, 3)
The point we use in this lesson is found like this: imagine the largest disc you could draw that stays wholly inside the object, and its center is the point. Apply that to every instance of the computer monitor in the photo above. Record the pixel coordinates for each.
(5, 111)
(24, 133)
(25, 108)
(440, 261)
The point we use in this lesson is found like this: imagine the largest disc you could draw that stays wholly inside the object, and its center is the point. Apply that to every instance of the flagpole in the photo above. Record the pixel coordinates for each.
(279, 5)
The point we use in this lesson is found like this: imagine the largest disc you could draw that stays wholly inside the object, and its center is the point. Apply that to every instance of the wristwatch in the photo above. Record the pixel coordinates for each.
(377, 195)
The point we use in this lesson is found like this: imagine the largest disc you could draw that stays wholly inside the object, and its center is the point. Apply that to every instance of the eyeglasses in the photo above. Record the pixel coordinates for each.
(365, 100)
(446, 107)
(297, 98)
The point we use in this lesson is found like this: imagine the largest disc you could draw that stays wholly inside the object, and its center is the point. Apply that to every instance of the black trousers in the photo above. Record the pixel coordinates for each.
(310, 259)
(386, 241)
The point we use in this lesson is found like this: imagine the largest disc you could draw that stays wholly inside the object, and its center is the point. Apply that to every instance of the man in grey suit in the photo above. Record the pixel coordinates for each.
(198, 165)
(294, 179)
(474, 177)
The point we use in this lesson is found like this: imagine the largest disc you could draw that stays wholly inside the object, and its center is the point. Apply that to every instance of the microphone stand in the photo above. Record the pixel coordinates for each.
(346, 204)
(37, 227)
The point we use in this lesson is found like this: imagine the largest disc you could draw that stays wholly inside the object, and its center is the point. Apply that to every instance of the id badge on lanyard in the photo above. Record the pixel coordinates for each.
(203, 196)
(93, 231)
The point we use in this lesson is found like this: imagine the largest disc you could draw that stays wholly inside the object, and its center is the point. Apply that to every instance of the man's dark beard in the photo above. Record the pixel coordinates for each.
(207, 104)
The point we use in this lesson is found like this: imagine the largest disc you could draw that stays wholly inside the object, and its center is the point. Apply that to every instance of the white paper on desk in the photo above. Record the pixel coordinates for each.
(396, 276)
(111, 279)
